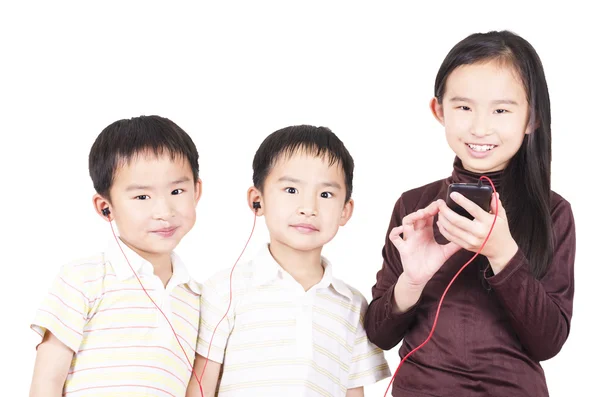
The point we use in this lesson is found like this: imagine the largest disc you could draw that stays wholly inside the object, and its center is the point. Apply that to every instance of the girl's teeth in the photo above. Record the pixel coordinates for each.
(481, 148)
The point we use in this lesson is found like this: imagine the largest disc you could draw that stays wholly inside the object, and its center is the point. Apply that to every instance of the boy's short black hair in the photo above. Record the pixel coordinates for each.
(124, 139)
(319, 141)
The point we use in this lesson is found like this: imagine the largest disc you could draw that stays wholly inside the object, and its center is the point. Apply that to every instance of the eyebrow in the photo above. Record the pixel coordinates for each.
(495, 102)
(181, 180)
(331, 184)
(288, 179)
(145, 187)
(298, 181)
(137, 187)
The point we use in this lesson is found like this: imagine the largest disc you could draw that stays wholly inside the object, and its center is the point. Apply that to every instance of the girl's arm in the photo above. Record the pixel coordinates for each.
(540, 310)
(411, 258)
(384, 324)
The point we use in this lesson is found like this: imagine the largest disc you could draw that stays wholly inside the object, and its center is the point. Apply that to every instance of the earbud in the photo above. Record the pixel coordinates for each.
(256, 205)
(105, 211)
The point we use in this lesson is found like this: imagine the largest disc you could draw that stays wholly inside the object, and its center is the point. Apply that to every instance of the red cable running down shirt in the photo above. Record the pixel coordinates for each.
(198, 379)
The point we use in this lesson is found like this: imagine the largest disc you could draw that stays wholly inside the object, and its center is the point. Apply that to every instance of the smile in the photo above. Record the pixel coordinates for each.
(480, 148)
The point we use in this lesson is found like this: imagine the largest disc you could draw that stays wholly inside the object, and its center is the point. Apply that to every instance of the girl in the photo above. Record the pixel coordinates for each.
(511, 307)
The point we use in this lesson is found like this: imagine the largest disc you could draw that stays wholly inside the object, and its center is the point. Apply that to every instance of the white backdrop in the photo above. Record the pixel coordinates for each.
(230, 74)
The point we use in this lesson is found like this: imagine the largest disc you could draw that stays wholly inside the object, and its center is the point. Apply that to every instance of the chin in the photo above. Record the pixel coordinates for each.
(161, 248)
(478, 166)
(308, 245)
(305, 247)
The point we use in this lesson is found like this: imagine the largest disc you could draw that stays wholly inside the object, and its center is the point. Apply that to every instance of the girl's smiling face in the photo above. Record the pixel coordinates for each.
(485, 113)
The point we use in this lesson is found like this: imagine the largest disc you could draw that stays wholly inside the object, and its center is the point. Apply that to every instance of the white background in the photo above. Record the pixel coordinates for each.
(230, 74)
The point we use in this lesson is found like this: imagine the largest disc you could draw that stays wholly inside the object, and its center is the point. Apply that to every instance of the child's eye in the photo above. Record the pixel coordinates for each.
(291, 190)
(142, 197)
(464, 108)
(177, 191)
(326, 195)
(500, 111)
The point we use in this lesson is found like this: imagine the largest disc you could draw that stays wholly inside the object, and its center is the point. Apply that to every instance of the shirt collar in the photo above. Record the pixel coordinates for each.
(116, 253)
(266, 269)
(328, 279)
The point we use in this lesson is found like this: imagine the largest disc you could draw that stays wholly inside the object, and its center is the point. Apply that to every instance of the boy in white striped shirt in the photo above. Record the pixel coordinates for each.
(101, 334)
(293, 329)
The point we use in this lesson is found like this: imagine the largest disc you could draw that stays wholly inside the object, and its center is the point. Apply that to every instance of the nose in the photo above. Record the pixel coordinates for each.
(308, 207)
(481, 126)
(163, 209)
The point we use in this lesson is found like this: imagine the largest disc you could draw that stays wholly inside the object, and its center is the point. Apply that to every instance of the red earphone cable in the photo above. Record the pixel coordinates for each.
(159, 309)
(199, 380)
(230, 298)
(448, 287)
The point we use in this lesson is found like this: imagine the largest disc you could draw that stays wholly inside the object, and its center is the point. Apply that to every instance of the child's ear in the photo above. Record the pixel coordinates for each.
(437, 110)
(532, 126)
(198, 190)
(347, 212)
(254, 196)
(100, 204)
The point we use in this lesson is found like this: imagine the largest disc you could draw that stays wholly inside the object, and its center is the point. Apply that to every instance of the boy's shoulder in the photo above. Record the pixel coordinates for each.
(351, 297)
(258, 266)
(237, 276)
(85, 266)
(357, 299)
(83, 274)
(344, 307)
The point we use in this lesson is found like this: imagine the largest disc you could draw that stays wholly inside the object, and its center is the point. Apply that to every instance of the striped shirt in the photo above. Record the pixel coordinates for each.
(122, 344)
(278, 340)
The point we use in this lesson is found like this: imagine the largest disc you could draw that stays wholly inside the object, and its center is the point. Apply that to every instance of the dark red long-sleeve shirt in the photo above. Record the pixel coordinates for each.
(493, 330)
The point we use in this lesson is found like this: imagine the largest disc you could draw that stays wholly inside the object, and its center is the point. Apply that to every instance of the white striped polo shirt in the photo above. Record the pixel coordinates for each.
(123, 345)
(279, 340)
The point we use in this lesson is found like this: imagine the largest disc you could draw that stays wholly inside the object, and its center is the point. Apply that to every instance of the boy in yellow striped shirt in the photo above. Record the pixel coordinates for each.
(100, 333)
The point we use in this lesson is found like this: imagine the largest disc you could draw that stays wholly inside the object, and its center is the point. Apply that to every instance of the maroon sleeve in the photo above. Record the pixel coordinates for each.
(385, 328)
(540, 310)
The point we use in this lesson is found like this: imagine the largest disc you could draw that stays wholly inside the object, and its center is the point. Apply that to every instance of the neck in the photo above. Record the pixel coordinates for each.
(304, 266)
(462, 175)
(161, 262)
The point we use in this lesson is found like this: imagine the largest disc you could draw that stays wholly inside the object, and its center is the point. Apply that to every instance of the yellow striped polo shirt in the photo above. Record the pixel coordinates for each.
(122, 344)
(279, 340)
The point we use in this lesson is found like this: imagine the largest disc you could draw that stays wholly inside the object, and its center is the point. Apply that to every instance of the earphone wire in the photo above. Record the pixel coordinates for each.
(198, 379)
(230, 293)
(159, 309)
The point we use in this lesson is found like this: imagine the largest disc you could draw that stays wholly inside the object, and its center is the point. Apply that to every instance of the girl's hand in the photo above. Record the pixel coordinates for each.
(421, 255)
(470, 234)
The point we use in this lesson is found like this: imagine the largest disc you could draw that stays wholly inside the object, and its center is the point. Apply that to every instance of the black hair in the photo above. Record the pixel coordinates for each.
(124, 139)
(319, 141)
(526, 180)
